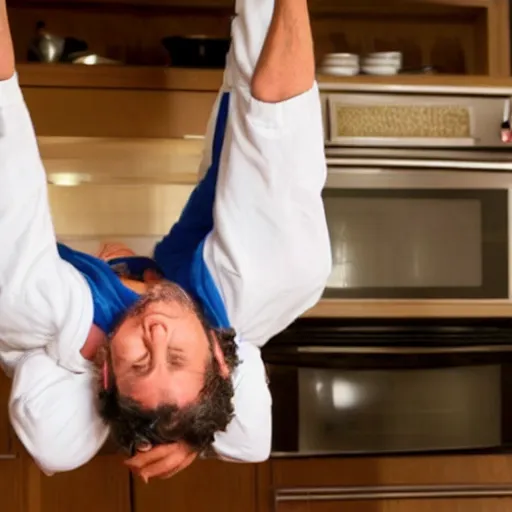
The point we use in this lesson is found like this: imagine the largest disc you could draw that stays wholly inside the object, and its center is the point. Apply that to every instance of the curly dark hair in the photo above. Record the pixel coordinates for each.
(132, 425)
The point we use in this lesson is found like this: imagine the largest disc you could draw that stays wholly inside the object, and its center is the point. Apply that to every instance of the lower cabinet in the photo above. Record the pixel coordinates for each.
(6, 436)
(426, 505)
(103, 485)
(393, 484)
(205, 486)
(11, 486)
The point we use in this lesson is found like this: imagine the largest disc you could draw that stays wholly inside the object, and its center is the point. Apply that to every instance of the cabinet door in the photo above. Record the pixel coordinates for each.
(103, 485)
(392, 471)
(84, 112)
(438, 505)
(11, 486)
(5, 428)
(203, 487)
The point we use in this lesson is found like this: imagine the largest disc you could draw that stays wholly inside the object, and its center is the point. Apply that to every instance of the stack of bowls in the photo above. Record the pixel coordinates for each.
(382, 63)
(340, 64)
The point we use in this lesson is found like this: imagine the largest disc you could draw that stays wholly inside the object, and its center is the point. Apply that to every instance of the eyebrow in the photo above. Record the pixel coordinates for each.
(177, 350)
(140, 359)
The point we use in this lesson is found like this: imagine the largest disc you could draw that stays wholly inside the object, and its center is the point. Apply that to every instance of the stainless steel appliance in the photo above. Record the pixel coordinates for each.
(405, 387)
(418, 196)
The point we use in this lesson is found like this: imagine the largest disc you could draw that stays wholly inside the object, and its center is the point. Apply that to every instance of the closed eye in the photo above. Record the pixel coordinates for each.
(142, 364)
(175, 358)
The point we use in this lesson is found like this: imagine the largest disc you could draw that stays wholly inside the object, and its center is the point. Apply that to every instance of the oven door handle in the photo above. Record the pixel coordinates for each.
(383, 350)
(392, 492)
(334, 162)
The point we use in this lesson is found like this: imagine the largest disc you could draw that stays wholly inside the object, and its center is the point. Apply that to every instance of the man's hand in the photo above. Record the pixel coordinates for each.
(162, 461)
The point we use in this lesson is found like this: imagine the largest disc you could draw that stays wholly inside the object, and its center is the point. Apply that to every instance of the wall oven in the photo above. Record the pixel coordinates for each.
(352, 388)
(418, 195)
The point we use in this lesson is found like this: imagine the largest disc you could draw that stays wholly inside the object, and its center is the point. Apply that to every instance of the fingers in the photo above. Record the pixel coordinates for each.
(110, 251)
(167, 468)
(145, 458)
(162, 461)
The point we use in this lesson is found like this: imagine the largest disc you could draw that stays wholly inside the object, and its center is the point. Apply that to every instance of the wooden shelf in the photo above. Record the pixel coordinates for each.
(118, 77)
(207, 80)
(333, 308)
(316, 6)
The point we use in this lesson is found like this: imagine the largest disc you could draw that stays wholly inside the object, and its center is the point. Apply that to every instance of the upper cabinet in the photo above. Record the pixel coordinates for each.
(149, 96)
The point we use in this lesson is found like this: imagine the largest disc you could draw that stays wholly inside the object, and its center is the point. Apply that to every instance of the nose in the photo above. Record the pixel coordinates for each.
(156, 332)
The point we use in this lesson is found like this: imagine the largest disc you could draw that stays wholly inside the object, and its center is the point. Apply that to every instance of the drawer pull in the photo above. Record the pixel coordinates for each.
(392, 492)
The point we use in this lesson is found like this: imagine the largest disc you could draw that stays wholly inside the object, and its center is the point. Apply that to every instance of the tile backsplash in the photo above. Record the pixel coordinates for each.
(132, 191)
(142, 246)
(117, 210)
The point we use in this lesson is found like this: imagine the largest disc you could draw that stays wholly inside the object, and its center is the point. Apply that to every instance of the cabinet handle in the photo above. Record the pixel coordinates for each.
(330, 349)
(392, 492)
(8, 456)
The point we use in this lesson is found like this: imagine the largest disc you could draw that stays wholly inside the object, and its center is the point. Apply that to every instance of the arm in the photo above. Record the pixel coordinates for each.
(267, 248)
(269, 251)
(53, 412)
(6, 49)
(43, 300)
(45, 305)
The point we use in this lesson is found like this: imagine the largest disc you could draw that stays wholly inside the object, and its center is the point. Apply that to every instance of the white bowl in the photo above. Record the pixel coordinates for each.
(339, 70)
(340, 59)
(396, 57)
(370, 62)
(343, 54)
(381, 70)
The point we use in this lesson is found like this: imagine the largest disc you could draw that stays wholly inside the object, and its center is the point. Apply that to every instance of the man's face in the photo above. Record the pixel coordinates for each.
(160, 352)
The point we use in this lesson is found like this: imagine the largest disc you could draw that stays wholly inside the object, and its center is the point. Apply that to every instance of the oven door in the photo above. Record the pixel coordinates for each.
(419, 393)
(417, 232)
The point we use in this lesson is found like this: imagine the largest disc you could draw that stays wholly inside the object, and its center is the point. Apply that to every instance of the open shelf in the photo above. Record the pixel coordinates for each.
(467, 37)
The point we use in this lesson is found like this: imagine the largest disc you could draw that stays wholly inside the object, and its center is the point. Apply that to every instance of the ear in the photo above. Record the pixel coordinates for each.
(105, 375)
(219, 356)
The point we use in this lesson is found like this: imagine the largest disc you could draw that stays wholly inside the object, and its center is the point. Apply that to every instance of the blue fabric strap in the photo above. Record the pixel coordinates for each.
(110, 297)
(180, 253)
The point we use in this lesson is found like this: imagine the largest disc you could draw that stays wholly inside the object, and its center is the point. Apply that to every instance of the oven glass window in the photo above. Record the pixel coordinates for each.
(418, 243)
(394, 411)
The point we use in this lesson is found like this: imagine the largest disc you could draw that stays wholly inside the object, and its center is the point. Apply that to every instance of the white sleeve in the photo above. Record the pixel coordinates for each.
(54, 413)
(43, 299)
(248, 436)
(25, 222)
(269, 251)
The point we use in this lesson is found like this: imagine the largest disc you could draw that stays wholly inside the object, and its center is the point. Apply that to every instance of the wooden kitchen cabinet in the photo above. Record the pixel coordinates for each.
(118, 113)
(392, 484)
(103, 485)
(464, 37)
(6, 435)
(392, 471)
(11, 486)
(203, 487)
(433, 505)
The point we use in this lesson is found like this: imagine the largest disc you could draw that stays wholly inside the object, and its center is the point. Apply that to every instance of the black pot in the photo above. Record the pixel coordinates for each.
(197, 52)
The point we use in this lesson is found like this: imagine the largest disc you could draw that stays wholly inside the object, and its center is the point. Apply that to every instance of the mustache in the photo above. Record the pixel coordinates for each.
(166, 292)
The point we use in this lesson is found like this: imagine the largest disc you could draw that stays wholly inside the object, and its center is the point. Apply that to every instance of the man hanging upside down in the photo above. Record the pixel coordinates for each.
(164, 353)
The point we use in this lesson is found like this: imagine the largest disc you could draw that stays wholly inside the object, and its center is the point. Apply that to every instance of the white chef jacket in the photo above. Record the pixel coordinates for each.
(268, 254)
